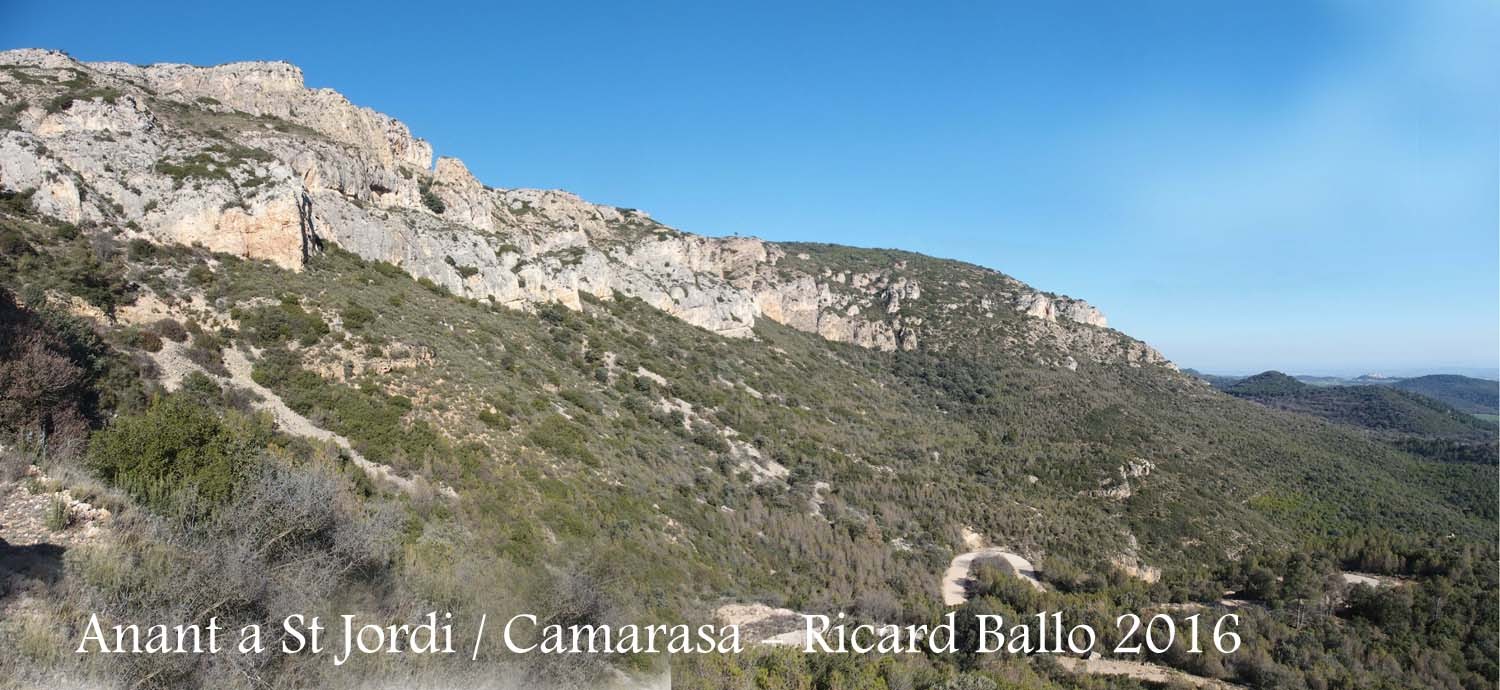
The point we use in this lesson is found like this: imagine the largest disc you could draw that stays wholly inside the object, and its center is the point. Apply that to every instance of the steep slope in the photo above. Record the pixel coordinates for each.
(637, 424)
(1475, 396)
(685, 469)
(244, 159)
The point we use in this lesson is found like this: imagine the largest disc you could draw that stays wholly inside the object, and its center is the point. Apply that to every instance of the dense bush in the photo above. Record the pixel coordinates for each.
(355, 316)
(176, 445)
(143, 339)
(372, 420)
(564, 438)
(170, 329)
(583, 400)
(207, 351)
(44, 387)
(275, 324)
(292, 540)
(13, 243)
(432, 201)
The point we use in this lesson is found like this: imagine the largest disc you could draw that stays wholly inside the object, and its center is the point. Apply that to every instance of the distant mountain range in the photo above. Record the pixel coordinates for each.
(1383, 408)
(1475, 396)
(1444, 417)
(1465, 393)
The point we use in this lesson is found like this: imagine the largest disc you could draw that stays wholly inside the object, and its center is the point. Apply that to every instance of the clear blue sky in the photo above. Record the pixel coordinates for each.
(1306, 186)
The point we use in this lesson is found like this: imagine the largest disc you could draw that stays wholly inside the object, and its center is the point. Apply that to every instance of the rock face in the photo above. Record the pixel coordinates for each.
(245, 159)
(275, 89)
(1054, 308)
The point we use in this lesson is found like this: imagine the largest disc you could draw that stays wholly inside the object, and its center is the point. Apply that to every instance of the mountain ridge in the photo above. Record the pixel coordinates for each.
(1475, 396)
(284, 376)
(244, 158)
(1378, 407)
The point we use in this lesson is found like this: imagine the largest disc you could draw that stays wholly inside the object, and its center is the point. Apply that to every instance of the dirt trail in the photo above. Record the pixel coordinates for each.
(955, 592)
(764, 624)
(1143, 671)
(291, 422)
(1367, 580)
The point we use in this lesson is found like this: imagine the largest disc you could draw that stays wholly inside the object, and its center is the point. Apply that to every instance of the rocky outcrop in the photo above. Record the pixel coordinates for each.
(1052, 308)
(244, 159)
(276, 89)
(24, 166)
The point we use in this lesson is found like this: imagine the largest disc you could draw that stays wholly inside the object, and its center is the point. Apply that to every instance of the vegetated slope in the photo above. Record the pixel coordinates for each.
(1216, 380)
(1475, 396)
(620, 450)
(1379, 408)
(562, 429)
(244, 159)
(622, 446)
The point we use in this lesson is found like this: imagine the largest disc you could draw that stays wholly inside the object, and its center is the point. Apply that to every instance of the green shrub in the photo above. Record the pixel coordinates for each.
(200, 275)
(17, 202)
(355, 316)
(64, 101)
(170, 329)
(207, 351)
(562, 438)
(371, 419)
(430, 200)
(583, 400)
(178, 444)
(216, 162)
(140, 250)
(143, 339)
(706, 436)
(201, 387)
(58, 516)
(493, 420)
(13, 243)
(275, 324)
(92, 275)
(431, 286)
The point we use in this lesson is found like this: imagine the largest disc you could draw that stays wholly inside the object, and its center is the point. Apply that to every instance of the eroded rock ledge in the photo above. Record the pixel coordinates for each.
(243, 158)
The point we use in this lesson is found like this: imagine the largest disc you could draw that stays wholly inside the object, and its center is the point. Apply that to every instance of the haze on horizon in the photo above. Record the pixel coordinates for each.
(1309, 187)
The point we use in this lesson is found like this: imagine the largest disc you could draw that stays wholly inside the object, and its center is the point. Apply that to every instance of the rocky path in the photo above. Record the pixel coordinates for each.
(1143, 671)
(955, 580)
(955, 593)
(1368, 580)
(291, 422)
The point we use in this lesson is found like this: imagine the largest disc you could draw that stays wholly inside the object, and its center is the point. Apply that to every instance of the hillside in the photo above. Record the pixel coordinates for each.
(243, 159)
(1475, 396)
(1384, 408)
(263, 355)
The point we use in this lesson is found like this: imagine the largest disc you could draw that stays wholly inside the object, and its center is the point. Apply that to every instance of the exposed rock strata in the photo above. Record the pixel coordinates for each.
(245, 159)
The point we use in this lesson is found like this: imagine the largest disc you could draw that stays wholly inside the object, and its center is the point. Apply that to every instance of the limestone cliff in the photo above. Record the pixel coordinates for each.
(245, 159)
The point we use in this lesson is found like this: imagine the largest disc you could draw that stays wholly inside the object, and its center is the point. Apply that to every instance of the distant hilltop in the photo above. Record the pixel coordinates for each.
(1475, 396)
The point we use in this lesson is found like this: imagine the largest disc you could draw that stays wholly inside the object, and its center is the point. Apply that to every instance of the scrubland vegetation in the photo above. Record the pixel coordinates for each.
(611, 466)
(1382, 408)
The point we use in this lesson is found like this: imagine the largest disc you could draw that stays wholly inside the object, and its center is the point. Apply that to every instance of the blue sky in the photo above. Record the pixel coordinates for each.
(1304, 186)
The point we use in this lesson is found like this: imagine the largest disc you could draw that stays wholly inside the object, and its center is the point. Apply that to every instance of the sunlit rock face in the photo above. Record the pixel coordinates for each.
(244, 159)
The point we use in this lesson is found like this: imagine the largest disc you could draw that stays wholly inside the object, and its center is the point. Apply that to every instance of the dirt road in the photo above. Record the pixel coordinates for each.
(955, 592)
